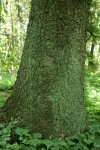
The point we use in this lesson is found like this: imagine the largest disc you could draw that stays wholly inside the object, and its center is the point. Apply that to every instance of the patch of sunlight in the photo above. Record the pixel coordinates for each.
(0, 77)
(93, 93)
(99, 79)
(98, 94)
(98, 103)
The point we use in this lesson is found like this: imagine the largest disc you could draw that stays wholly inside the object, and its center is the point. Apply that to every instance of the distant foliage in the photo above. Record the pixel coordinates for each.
(13, 24)
(93, 36)
(12, 138)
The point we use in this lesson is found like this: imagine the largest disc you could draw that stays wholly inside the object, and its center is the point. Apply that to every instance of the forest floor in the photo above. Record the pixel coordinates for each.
(92, 92)
(92, 95)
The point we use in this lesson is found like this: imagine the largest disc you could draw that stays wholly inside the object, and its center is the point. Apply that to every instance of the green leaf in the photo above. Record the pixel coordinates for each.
(48, 143)
(3, 143)
(15, 146)
(70, 143)
(21, 132)
(22, 146)
(30, 148)
(87, 141)
(62, 143)
(26, 142)
(6, 130)
(37, 136)
(55, 148)
(1, 126)
(97, 143)
(35, 142)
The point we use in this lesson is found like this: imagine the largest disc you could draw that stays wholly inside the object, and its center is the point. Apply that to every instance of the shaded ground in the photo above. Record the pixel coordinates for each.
(93, 96)
(7, 81)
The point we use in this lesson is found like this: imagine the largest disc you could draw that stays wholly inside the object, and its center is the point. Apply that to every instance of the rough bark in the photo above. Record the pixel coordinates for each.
(49, 92)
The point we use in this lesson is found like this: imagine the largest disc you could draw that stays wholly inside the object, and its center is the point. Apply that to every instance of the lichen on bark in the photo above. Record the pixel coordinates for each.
(48, 96)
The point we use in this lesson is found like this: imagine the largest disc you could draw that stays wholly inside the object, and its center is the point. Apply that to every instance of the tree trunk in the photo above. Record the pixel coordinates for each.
(91, 55)
(49, 92)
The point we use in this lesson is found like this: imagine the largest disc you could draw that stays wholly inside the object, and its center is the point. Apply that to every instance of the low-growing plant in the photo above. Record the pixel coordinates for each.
(15, 138)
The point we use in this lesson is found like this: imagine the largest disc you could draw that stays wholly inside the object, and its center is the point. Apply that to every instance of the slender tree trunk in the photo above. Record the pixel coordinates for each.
(49, 92)
(91, 63)
(92, 50)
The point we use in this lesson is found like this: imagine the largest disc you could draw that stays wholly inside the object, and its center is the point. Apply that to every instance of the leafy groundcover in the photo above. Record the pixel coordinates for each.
(15, 138)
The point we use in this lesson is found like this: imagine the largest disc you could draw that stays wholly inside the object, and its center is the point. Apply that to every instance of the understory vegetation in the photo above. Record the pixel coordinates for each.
(20, 139)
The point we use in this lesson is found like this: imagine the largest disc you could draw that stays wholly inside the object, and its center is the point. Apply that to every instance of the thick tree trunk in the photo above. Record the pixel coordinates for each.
(49, 92)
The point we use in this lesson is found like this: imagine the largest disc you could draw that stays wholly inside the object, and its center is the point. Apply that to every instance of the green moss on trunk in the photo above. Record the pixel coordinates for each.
(49, 92)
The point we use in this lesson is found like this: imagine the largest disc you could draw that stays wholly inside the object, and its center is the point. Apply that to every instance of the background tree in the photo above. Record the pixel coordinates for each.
(49, 92)
(94, 34)
(14, 19)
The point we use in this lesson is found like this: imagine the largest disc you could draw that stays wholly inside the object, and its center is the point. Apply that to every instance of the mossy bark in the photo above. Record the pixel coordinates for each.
(49, 92)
